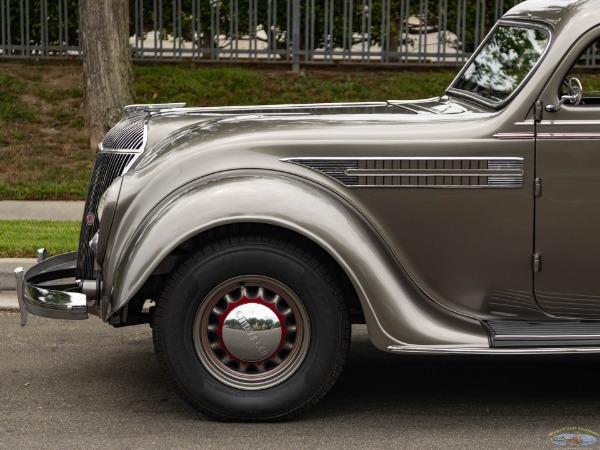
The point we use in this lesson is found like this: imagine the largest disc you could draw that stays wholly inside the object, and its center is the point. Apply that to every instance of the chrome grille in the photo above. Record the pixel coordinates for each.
(128, 134)
(334, 168)
(500, 165)
(108, 166)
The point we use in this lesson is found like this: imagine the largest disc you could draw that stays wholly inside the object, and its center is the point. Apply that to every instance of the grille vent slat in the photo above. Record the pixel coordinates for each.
(456, 172)
(334, 168)
(107, 167)
(128, 134)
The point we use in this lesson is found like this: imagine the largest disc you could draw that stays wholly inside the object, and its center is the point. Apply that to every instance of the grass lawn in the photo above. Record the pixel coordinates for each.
(43, 144)
(21, 238)
(44, 153)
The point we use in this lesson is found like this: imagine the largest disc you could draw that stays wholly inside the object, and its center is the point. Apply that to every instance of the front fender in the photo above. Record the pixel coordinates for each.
(396, 311)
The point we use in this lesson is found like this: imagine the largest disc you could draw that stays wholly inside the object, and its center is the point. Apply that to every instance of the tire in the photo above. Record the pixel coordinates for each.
(252, 327)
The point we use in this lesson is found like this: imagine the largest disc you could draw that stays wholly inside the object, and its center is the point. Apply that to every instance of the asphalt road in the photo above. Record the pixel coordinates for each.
(87, 385)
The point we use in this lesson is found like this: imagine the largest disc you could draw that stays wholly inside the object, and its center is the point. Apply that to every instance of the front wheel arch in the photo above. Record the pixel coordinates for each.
(155, 284)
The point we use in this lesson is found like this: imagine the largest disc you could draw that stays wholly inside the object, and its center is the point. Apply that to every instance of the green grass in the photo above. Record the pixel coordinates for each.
(21, 238)
(44, 147)
(213, 86)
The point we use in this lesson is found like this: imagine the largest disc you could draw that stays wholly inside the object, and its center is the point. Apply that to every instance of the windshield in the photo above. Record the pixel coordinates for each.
(502, 63)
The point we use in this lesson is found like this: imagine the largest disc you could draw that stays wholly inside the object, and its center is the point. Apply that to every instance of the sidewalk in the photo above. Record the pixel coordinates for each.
(16, 210)
(28, 210)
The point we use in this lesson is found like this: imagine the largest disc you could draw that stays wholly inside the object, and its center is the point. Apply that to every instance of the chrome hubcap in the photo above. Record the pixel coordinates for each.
(251, 332)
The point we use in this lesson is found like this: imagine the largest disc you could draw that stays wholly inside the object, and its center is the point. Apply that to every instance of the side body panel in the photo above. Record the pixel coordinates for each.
(397, 313)
(465, 242)
(568, 210)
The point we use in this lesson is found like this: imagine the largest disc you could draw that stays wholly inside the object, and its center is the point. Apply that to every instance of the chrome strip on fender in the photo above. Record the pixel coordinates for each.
(568, 136)
(435, 172)
(569, 122)
(522, 136)
(423, 349)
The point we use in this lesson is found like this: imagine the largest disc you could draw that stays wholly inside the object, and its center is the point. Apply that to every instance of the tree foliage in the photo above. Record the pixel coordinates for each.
(323, 23)
(36, 21)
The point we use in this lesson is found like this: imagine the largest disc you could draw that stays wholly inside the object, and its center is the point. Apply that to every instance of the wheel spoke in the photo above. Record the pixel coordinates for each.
(251, 328)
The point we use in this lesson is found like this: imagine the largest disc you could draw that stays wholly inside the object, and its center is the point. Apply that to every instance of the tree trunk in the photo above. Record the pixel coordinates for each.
(107, 71)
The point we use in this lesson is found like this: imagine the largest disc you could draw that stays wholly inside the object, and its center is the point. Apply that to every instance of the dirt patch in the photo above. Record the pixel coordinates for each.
(43, 143)
(54, 76)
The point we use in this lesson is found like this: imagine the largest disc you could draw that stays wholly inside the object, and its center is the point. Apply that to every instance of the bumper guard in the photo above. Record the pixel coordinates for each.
(49, 289)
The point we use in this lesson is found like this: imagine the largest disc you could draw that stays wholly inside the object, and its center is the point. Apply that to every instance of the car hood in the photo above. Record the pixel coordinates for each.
(191, 129)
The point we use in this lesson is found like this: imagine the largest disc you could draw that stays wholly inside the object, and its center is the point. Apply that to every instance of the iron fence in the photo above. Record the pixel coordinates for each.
(295, 32)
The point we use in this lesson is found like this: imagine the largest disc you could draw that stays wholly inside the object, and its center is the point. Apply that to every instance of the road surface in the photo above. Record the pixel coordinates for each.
(87, 385)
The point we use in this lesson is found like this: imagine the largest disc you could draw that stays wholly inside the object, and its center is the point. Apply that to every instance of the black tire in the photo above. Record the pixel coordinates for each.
(282, 277)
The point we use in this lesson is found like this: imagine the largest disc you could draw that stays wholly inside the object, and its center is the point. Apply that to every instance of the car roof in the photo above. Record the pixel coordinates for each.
(565, 16)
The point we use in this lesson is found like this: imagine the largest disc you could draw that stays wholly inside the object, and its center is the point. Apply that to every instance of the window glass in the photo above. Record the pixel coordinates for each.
(582, 70)
(503, 62)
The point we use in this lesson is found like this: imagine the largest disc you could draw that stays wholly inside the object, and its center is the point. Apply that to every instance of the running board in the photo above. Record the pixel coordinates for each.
(523, 334)
(466, 350)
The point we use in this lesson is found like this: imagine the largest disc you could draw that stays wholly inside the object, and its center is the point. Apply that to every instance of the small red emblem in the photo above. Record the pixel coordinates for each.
(90, 219)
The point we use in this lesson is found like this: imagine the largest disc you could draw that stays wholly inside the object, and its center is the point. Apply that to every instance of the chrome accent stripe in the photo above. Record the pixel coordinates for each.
(412, 110)
(268, 108)
(422, 349)
(568, 136)
(523, 136)
(401, 158)
(144, 108)
(430, 173)
(421, 172)
(569, 122)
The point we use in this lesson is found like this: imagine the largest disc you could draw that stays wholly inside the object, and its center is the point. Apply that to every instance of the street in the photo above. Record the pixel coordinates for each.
(87, 385)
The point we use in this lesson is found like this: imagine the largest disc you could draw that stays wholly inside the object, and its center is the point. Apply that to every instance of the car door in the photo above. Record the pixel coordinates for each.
(567, 208)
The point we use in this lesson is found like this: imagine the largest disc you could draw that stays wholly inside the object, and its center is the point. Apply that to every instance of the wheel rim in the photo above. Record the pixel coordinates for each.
(251, 332)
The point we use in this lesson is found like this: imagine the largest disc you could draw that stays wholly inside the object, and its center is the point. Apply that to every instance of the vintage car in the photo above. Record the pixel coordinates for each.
(461, 224)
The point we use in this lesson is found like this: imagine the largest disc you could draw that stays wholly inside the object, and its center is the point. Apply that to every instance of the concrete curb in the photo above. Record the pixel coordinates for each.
(8, 301)
(8, 282)
(7, 271)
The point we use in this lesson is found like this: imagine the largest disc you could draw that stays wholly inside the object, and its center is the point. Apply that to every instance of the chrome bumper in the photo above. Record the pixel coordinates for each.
(49, 289)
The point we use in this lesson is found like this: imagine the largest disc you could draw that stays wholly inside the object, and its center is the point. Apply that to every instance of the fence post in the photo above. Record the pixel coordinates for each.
(296, 36)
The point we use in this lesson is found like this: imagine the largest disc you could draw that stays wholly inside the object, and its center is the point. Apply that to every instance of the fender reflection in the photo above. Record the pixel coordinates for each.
(396, 311)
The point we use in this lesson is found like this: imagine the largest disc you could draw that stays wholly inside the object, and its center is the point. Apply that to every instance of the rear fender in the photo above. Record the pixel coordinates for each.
(396, 311)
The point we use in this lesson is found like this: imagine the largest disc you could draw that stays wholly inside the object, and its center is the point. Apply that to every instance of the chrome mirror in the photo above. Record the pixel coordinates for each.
(574, 96)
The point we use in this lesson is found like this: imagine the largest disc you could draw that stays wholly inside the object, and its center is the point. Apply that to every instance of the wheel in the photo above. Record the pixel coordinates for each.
(252, 327)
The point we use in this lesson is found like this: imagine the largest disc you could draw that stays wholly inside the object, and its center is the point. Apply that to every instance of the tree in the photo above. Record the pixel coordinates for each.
(107, 70)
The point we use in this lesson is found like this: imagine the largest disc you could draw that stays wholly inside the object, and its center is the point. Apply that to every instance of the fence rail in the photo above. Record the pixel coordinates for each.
(384, 32)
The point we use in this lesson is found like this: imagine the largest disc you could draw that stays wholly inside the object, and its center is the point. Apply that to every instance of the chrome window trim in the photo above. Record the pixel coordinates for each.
(481, 100)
